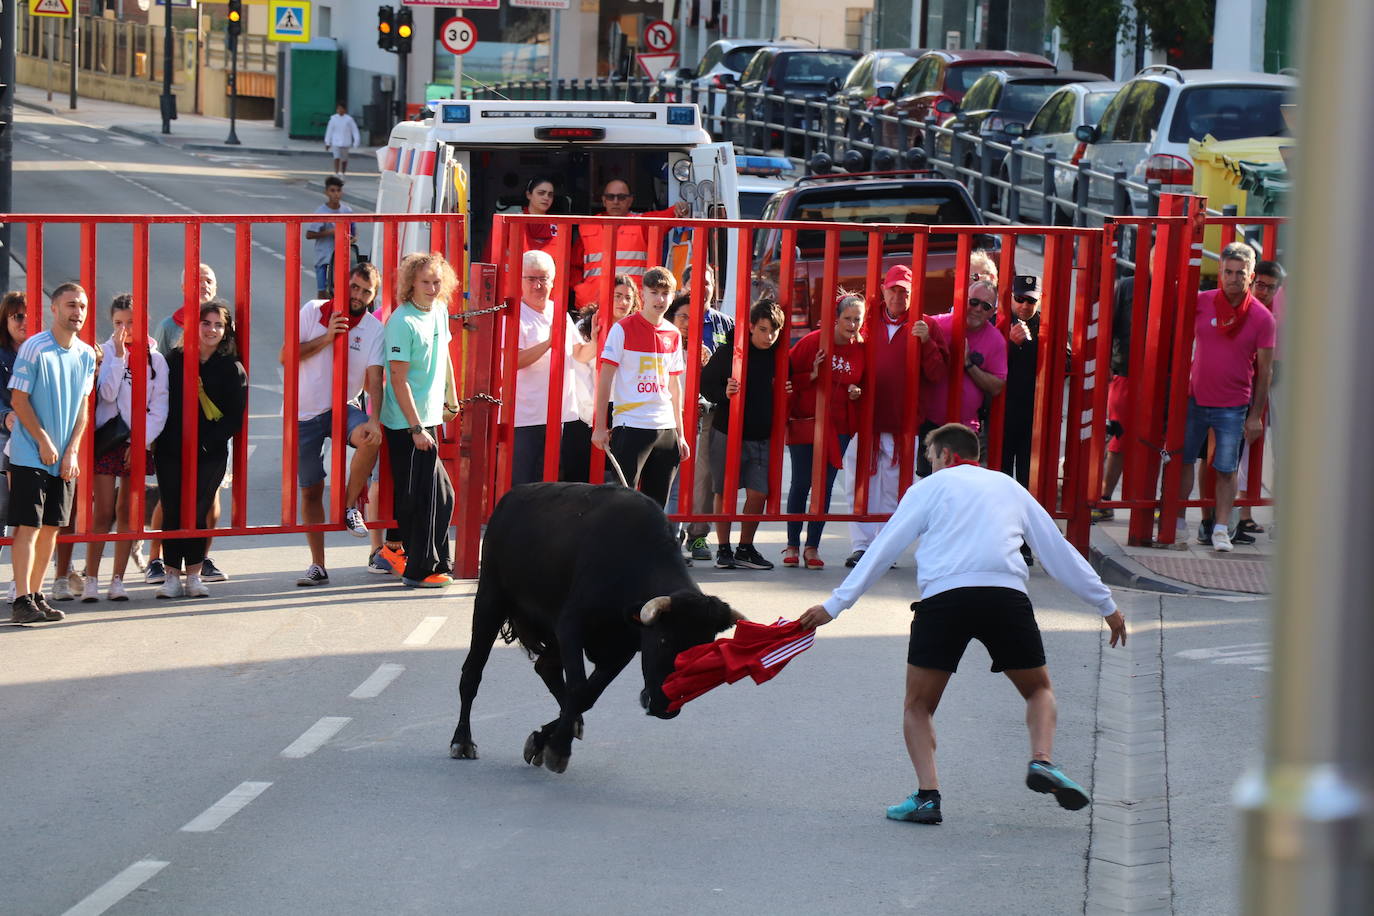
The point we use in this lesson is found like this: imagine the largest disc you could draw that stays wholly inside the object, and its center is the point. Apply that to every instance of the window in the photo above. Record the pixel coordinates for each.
(960, 79)
(982, 95)
(758, 66)
(1133, 116)
(930, 78)
(1228, 113)
(1023, 100)
(933, 206)
(712, 57)
(1055, 116)
(1094, 103)
(891, 69)
(737, 59)
(814, 69)
(907, 85)
(859, 77)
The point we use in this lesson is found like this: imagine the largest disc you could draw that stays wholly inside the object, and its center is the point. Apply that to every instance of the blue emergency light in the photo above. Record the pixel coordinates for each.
(683, 115)
(457, 114)
(762, 165)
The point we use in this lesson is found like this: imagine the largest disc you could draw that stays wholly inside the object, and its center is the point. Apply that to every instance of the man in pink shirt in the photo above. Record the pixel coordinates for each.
(984, 357)
(1228, 388)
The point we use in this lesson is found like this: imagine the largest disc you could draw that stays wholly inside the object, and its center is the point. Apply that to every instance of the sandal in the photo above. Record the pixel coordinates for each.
(789, 556)
(1249, 526)
(813, 559)
(1103, 515)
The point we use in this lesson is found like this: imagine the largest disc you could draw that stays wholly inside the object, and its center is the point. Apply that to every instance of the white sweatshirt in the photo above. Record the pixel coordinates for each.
(968, 523)
(116, 390)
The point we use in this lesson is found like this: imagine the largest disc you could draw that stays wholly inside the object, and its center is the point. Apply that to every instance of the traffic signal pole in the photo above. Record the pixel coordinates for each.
(167, 100)
(8, 36)
(231, 36)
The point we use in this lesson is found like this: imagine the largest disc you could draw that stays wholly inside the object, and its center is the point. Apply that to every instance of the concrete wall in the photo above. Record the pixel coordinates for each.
(32, 72)
(817, 20)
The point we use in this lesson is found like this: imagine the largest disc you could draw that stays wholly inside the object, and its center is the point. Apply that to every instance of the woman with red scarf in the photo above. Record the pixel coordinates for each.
(846, 354)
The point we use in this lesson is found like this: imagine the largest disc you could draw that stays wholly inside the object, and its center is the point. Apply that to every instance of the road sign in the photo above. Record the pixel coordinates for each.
(653, 64)
(466, 4)
(288, 20)
(57, 8)
(542, 4)
(458, 35)
(659, 35)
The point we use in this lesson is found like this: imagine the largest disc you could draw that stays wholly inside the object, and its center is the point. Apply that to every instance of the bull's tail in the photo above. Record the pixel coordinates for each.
(618, 472)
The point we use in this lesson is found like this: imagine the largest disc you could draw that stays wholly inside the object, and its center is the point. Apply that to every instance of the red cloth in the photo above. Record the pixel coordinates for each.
(756, 651)
(1230, 319)
(327, 312)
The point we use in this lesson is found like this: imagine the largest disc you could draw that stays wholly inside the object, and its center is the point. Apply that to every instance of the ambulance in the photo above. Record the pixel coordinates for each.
(476, 158)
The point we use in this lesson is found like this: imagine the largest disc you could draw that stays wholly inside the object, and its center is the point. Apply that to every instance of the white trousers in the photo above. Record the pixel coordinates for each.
(883, 494)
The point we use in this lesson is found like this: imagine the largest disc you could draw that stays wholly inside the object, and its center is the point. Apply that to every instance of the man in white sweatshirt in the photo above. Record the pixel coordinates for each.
(969, 524)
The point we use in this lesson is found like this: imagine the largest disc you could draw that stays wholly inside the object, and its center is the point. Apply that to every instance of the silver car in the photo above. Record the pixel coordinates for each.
(1146, 127)
(718, 70)
(1052, 130)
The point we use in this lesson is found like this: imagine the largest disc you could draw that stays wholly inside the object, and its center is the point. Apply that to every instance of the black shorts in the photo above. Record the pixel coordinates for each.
(1000, 618)
(38, 499)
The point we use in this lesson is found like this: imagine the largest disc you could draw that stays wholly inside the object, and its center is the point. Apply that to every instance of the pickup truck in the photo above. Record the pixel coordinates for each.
(901, 198)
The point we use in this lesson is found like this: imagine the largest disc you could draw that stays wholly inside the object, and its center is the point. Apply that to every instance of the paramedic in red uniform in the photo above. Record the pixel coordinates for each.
(631, 243)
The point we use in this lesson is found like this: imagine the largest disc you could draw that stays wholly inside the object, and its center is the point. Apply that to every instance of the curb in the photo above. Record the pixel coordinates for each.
(1116, 567)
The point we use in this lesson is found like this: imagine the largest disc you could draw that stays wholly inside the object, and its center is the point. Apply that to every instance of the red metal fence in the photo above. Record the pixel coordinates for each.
(1079, 276)
(251, 304)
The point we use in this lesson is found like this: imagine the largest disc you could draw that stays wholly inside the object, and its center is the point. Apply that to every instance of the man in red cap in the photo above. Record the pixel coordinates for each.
(889, 352)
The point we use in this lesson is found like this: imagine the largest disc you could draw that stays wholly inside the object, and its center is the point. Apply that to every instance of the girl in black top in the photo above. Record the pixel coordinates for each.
(222, 400)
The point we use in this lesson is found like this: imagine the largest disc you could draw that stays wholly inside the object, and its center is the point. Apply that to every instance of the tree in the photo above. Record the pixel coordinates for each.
(1091, 30)
(1088, 31)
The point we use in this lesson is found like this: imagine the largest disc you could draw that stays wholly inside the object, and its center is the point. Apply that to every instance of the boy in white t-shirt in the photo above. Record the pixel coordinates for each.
(535, 366)
(641, 372)
(320, 325)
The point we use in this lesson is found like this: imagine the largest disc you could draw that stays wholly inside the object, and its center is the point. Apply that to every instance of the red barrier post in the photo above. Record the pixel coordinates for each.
(1100, 374)
(243, 321)
(33, 268)
(558, 343)
(339, 395)
(190, 378)
(291, 346)
(824, 382)
(1073, 499)
(777, 443)
(138, 366)
(739, 370)
(957, 327)
(691, 383)
(85, 504)
(911, 404)
(510, 293)
(997, 411)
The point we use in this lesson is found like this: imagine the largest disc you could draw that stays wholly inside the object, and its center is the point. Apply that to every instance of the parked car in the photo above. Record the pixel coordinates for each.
(921, 198)
(1052, 130)
(994, 99)
(868, 86)
(718, 69)
(758, 178)
(944, 75)
(798, 74)
(1146, 128)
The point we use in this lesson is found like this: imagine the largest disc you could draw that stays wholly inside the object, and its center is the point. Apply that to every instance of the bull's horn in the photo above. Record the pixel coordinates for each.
(736, 615)
(652, 608)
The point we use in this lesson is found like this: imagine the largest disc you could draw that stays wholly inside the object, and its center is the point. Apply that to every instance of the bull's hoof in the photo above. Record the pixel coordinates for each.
(462, 750)
(577, 729)
(555, 762)
(534, 749)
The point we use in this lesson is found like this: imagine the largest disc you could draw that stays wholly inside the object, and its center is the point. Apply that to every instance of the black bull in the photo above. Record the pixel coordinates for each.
(574, 570)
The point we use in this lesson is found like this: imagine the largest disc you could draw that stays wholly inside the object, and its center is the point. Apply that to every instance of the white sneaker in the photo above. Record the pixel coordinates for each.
(116, 592)
(196, 588)
(1221, 539)
(170, 587)
(61, 589)
(91, 590)
(353, 520)
(140, 561)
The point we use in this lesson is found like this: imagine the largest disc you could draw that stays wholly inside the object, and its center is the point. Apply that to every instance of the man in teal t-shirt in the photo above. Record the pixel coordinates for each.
(53, 375)
(419, 395)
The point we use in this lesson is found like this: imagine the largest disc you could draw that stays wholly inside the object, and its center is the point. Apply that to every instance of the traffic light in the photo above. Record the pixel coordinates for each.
(386, 28)
(404, 30)
(235, 24)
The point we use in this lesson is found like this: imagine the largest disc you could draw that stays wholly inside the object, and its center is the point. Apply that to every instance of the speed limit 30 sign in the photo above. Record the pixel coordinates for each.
(458, 35)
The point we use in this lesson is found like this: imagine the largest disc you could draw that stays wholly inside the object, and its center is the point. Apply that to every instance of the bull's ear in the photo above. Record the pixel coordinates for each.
(653, 607)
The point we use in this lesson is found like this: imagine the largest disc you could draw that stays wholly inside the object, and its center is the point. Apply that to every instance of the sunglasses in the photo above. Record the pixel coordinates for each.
(1025, 300)
(616, 196)
(980, 304)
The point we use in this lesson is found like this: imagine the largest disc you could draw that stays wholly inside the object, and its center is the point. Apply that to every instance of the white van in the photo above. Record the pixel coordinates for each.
(476, 158)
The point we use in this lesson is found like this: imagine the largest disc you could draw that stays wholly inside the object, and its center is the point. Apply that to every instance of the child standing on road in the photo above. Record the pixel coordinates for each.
(323, 235)
(717, 385)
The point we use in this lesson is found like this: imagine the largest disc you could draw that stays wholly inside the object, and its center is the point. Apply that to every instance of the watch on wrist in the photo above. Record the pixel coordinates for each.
(974, 359)
(417, 429)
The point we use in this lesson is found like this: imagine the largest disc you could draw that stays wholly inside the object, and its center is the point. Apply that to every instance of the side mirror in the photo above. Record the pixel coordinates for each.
(884, 93)
(685, 73)
(944, 106)
(726, 79)
(1014, 129)
(1086, 133)
(833, 85)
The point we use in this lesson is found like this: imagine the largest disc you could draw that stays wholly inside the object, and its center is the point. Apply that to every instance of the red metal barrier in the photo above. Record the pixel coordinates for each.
(446, 236)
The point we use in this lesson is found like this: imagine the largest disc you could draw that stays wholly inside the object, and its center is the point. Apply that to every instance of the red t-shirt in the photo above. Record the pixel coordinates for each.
(1224, 366)
(846, 368)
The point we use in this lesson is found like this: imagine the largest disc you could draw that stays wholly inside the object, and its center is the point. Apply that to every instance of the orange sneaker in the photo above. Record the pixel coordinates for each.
(396, 559)
(437, 580)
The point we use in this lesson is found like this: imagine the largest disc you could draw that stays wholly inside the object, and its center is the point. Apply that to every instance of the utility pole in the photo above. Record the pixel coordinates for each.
(8, 36)
(168, 101)
(1309, 807)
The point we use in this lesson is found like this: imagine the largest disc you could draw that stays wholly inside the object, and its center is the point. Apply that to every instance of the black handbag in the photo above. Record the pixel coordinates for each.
(111, 435)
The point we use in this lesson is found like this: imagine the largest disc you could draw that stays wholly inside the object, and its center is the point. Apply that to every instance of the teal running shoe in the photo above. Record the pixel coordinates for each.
(916, 810)
(1043, 776)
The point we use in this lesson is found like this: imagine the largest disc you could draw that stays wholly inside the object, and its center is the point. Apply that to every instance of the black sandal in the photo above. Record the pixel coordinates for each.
(1248, 526)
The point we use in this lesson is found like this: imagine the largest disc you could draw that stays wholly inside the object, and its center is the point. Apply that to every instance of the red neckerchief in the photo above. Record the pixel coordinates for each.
(327, 309)
(1231, 319)
(179, 316)
(957, 460)
(539, 233)
(895, 322)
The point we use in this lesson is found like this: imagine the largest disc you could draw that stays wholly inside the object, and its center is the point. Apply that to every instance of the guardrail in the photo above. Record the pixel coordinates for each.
(1066, 192)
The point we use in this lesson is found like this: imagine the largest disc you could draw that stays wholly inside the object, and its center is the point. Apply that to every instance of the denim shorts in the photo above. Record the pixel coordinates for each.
(322, 272)
(310, 443)
(1229, 425)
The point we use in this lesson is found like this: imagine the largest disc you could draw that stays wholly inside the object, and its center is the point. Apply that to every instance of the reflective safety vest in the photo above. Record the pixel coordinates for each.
(631, 255)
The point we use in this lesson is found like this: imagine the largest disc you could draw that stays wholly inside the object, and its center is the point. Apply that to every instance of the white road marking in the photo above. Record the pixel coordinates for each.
(82, 137)
(421, 635)
(378, 681)
(315, 736)
(215, 815)
(117, 888)
(1254, 654)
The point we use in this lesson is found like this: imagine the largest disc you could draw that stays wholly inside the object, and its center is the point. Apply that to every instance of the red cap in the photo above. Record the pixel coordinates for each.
(898, 275)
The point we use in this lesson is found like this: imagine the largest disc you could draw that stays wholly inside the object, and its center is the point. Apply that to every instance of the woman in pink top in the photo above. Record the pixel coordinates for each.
(846, 353)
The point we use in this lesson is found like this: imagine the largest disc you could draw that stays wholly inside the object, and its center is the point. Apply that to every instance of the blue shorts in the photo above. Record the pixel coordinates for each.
(322, 275)
(1229, 425)
(310, 438)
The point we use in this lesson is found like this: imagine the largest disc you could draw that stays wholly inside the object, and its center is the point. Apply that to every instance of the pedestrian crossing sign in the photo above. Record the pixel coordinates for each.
(59, 8)
(288, 20)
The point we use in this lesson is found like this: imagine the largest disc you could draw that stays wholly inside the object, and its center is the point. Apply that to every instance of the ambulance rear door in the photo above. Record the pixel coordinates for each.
(715, 195)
